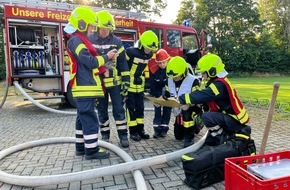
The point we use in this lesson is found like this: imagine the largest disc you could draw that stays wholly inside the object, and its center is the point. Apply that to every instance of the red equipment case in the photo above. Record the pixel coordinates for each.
(238, 178)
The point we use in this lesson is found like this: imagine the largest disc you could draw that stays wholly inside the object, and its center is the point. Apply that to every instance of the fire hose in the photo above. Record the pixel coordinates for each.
(128, 166)
(16, 84)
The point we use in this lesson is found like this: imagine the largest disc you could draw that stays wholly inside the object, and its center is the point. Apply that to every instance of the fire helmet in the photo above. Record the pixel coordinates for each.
(162, 55)
(106, 20)
(149, 40)
(80, 18)
(176, 67)
(211, 64)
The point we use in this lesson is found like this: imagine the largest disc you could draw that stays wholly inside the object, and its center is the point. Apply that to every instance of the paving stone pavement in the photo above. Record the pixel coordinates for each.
(21, 121)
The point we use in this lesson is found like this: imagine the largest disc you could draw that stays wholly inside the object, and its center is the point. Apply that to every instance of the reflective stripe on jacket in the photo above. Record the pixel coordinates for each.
(120, 72)
(84, 67)
(236, 103)
(137, 61)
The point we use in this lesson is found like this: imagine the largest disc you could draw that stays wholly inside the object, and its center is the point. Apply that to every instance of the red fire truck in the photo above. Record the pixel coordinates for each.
(35, 53)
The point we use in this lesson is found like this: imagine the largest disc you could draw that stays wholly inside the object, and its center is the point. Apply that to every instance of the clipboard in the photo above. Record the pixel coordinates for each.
(171, 102)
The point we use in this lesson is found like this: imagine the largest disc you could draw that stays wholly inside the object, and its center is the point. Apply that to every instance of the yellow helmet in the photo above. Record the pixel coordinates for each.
(149, 40)
(81, 17)
(176, 66)
(106, 20)
(211, 64)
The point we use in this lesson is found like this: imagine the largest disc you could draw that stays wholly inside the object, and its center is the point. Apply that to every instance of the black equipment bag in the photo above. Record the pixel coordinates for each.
(206, 165)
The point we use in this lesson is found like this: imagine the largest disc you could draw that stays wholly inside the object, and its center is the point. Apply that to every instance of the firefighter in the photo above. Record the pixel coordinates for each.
(116, 79)
(158, 80)
(85, 83)
(227, 114)
(138, 58)
(180, 81)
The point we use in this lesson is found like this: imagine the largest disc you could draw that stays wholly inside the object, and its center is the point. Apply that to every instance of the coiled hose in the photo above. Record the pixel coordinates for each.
(130, 165)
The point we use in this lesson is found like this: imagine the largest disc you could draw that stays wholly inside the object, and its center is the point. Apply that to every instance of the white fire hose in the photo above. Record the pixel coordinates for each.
(130, 165)
(17, 85)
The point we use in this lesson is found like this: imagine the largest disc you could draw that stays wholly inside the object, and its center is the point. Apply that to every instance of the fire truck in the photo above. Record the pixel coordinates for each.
(34, 47)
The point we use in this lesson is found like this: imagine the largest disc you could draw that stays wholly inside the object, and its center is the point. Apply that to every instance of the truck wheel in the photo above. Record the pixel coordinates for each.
(69, 97)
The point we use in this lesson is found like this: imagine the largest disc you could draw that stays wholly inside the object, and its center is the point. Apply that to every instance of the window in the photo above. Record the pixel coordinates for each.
(173, 38)
(189, 41)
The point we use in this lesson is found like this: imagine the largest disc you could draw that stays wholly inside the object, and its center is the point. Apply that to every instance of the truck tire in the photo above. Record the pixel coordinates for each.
(69, 97)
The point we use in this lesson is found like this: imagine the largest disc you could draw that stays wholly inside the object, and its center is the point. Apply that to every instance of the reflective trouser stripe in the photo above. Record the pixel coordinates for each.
(140, 120)
(216, 130)
(121, 124)
(105, 126)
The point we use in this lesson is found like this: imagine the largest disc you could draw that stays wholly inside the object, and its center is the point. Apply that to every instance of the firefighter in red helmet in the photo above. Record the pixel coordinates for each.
(158, 80)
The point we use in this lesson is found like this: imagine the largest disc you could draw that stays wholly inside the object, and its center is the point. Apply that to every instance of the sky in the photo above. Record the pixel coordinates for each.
(170, 13)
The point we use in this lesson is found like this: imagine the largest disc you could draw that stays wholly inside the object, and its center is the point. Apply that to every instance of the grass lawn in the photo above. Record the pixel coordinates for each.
(262, 87)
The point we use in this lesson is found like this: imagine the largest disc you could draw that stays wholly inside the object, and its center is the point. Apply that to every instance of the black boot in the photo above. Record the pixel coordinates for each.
(105, 135)
(164, 130)
(157, 131)
(188, 136)
(141, 132)
(123, 136)
(134, 135)
(187, 141)
(178, 128)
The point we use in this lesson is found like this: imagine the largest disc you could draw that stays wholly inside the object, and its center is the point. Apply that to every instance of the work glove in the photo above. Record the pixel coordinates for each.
(138, 80)
(176, 111)
(165, 94)
(184, 107)
(124, 88)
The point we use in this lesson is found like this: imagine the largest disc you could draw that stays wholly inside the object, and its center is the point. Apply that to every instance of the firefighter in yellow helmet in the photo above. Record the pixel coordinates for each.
(180, 81)
(138, 58)
(85, 82)
(116, 79)
(227, 114)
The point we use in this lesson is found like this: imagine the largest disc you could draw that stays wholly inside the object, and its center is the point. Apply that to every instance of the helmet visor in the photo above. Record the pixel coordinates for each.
(171, 74)
(152, 46)
(69, 29)
(108, 25)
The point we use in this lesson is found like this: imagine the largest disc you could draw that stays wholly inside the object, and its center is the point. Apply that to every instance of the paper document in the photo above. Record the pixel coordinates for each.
(171, 102)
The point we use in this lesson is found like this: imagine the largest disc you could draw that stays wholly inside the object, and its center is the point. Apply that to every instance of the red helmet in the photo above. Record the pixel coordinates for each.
(162, 55)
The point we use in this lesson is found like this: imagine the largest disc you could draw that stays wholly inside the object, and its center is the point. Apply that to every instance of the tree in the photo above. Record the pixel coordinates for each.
(185, 12)
(234, 26)
(276, 17)
(144, 6)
